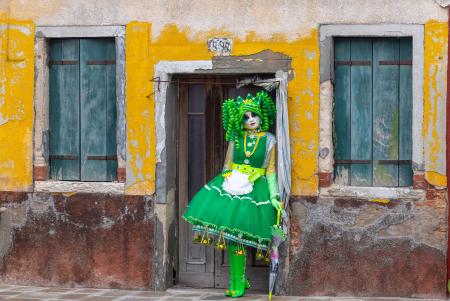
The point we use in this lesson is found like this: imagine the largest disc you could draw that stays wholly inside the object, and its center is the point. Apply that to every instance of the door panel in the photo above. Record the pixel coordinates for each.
(201, 153)
(196, 261)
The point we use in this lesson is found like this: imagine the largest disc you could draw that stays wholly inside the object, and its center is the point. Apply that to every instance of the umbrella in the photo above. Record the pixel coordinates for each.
(278, 236)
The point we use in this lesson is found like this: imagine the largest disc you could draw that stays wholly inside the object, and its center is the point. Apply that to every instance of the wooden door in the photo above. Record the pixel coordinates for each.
(201, 152)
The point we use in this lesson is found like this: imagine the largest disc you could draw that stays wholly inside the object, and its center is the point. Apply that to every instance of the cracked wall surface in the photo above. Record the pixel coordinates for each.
(356, 247)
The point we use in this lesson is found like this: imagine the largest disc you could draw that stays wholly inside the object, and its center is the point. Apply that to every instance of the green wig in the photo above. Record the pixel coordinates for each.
(233, 113)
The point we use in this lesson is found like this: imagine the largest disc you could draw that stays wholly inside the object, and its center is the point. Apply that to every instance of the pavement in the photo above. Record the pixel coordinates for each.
(33, 293)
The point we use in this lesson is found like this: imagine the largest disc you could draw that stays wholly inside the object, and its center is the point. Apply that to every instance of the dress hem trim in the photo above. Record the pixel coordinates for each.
(199, 225)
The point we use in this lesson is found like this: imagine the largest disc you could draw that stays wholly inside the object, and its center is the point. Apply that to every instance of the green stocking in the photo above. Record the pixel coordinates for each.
(240, 281)
(231, 247)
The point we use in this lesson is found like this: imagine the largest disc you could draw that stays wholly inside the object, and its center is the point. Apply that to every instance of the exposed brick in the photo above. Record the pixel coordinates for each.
(419, 182)
(435, 194)
(308, 198)
(40, 173)
(324, 179)
(121, 174)
(12, 197)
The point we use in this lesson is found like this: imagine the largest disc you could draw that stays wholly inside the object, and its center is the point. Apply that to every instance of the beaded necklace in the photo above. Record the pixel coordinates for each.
(247, 153)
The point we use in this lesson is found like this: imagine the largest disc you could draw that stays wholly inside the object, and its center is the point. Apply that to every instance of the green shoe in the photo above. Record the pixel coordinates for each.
(231, 248)
(234, 293)
(240, 281)
(241, 285)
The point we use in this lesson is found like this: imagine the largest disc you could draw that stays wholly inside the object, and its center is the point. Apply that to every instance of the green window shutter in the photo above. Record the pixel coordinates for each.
(342, 111)
(385, 112)
(64, 110)
(373, 111)
(361, 112)
(405, 113)
(98, 110)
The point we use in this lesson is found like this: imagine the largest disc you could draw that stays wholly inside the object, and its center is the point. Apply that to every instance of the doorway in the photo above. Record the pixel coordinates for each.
(201, 152)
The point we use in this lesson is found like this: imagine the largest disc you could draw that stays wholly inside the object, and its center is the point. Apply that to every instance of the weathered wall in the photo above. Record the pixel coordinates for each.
(89, 240)
(291, 18)
(140, 112)
(435, 91)
(291, 29)
(356, 247)
(16, 104)
(338, 246)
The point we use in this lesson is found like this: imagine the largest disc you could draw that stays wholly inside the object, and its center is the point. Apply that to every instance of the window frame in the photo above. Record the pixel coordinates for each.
(41, 105)
(327, 33)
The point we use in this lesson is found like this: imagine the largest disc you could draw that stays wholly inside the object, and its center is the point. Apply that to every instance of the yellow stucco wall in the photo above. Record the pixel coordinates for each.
(178, 44)
(140, 111)
(435, 94)
(174, 44)
(16, 104)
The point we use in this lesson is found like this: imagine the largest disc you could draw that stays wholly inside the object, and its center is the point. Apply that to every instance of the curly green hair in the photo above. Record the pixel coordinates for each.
(233, 112)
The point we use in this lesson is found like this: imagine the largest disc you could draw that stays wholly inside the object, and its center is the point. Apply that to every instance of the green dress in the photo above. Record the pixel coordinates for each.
(244, 218)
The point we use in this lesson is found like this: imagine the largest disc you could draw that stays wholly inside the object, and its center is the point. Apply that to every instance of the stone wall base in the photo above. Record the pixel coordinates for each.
(358, 247)
(77, 240)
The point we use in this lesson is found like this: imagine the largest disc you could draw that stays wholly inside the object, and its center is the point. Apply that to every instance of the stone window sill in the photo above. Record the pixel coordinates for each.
(87, 187)
(372, 192)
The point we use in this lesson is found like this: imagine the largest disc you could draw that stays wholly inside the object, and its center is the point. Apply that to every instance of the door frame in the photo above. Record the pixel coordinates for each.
(166, 207)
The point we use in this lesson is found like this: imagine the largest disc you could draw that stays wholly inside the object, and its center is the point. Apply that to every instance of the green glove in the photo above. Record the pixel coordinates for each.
(276, 203)
(273, 190)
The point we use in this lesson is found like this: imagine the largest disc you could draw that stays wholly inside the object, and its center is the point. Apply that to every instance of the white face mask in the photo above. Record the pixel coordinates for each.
(251, 120)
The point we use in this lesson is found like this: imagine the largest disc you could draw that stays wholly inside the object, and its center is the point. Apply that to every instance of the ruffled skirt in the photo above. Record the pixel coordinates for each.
(246, 218)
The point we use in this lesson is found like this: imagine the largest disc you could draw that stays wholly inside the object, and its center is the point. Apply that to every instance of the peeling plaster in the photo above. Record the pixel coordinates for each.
(16, 104)
(141, 157)
(86, 187)
(435, 91)
(326, 148)
(405, 239)
(288, 19)
(371, 192)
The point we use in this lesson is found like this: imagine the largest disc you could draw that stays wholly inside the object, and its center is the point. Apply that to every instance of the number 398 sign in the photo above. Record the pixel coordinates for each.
(221, 46)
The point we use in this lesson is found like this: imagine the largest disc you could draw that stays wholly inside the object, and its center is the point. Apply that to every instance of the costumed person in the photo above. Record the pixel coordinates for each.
(239, 206)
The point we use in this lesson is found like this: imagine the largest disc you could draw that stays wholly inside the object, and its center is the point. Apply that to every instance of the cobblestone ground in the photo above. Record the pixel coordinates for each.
(32, 293)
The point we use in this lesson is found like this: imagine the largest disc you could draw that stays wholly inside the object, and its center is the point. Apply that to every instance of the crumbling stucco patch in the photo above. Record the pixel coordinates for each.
(86, 187)
(352, 246)
(326, 153)
(94, 240)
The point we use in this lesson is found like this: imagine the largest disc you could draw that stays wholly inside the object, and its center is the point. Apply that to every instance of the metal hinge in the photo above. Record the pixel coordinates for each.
(112, 158)
(63, 62)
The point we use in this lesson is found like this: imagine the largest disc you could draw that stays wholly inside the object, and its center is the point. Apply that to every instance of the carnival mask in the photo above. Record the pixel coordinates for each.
(251, 120)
